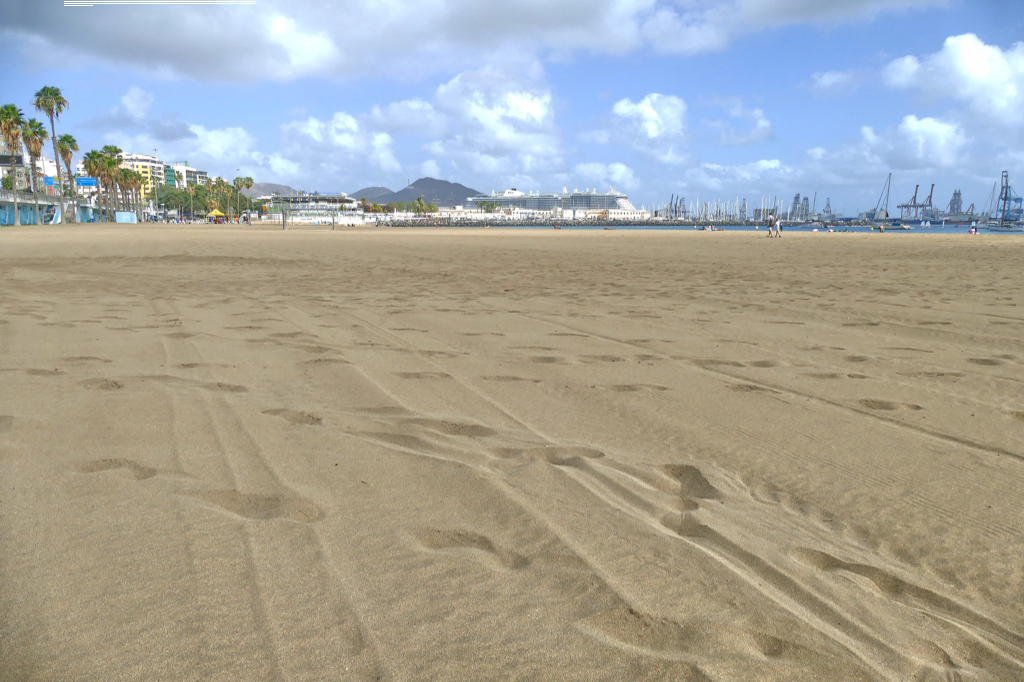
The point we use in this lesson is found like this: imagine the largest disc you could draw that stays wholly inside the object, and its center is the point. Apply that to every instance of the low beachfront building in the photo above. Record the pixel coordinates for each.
(304, 206)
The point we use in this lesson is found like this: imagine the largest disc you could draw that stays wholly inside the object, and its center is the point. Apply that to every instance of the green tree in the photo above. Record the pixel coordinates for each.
(11, 121)
(34, 135)
(66, 147)
(49, 100)
(238, 184)
(109, 167)
(93, 162)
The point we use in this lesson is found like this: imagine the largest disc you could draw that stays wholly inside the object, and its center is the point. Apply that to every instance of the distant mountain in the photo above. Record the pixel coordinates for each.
(371, 193)
(260, 189)
(440, 192)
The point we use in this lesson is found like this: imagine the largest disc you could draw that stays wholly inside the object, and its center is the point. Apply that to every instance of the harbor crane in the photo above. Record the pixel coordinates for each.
(914, 210)
(1010, 207)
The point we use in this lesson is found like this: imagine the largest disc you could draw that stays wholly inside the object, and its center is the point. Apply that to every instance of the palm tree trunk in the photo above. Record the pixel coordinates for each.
(32, 187)
(14, 191)
(74, 194)
(56, 162)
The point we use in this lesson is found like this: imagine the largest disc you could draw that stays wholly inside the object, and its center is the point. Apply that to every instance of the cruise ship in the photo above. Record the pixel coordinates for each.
(588, 200)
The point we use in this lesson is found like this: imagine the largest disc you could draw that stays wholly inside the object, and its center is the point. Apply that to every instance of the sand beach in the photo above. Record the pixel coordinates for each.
(232, 453)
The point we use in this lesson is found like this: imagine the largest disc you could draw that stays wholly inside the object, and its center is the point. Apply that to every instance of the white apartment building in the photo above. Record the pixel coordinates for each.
(189, 175)
(153, 170)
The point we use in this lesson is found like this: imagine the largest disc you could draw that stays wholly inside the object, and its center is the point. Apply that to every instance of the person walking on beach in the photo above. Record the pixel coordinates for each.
(772, 226)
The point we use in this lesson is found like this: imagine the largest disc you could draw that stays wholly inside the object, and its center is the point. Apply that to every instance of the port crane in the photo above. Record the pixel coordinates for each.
(1010, 207)
(914, 210)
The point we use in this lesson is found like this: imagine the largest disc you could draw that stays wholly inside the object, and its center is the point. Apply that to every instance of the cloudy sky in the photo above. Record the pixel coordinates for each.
(700, 98)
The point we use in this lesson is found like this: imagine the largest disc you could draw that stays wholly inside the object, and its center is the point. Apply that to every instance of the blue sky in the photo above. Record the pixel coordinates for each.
(708, 100)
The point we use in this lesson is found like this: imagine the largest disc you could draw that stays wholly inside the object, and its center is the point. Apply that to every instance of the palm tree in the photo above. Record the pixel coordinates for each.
(110, 167)
(137, 183)
(239, 183)
(11, 121)
(66, 147)
(93, 162)
(33, 134)
(247, 183)
(51, 102)
(125, 180)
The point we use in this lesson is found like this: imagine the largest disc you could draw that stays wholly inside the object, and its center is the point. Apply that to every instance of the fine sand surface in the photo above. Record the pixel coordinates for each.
(237, 454)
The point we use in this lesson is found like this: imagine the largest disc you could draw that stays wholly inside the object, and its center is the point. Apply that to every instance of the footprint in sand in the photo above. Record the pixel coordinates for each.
(328, 361)
(601, 358)
(508, 377)
(385, 410)
(101, 384)
(692, 483)
(225, 388)
(423, 375)
(546, 359)
(261, 507)
(985, 362)
(6, 423)
(296, 417)
(453, 428)
(716, 363)
(85, 358)
(563, 455)
(885, 405)
(402, 440)
(857, 358)
(457, 540)
(635, 388)
(138, 471)
(750, 388)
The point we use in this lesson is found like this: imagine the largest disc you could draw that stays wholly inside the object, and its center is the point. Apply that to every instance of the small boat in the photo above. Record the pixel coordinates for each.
(993, 226)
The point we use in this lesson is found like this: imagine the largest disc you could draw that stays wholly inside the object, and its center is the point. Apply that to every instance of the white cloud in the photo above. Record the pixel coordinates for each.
(411, 117)
(223, 144)
(290, 39)
(833, 81)
(322, 147)
(655, 116)
(430, 169)
(699, 26)
(136, 102)
(986, 79)
(761, 130)
(929, 141)
(497, 121)
(913, 147)
(758, 177)
(656, 126)
(307, 49)
(916, 143)
(610, 174)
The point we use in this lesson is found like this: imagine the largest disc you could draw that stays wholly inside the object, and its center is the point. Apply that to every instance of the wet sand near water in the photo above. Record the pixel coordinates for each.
(416, 454)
